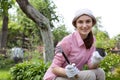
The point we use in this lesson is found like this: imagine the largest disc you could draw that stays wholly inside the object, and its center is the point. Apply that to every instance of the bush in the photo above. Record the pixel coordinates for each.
(29, 71)
(34, 69)
(110, 62)
(6, 62)
(117, 72)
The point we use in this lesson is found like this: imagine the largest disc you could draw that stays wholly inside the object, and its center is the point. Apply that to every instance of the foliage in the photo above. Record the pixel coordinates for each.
(102, 37)
(47, 8)
(36, 69)
(29, 34)
(29, 71)
(33, 55)
(59, 33)
(23, 32)
(15, 31)
(117, 38)
(5, 63)
(117, 72)
(5, 5)
(103, 40)
(110, 62)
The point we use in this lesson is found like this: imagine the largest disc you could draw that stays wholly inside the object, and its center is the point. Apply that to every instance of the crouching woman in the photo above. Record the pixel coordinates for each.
(80, 50)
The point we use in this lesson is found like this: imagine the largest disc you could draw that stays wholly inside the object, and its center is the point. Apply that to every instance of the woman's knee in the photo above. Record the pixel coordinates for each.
(90, 76)
(100, 74)
(101, 71)
(87, 75)
(61, 78)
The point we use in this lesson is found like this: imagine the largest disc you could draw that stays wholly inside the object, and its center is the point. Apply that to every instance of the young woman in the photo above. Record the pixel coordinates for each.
(79, 48)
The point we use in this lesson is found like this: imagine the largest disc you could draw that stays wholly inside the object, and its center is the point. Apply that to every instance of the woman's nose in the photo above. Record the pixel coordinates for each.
(84, 25)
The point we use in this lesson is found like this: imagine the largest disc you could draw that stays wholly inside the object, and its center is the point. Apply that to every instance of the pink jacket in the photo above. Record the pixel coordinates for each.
(74, 48)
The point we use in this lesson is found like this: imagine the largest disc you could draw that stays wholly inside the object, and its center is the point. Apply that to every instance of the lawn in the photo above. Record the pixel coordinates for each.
(4, 74)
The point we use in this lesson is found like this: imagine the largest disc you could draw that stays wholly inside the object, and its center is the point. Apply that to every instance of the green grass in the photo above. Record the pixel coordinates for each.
(4, 74)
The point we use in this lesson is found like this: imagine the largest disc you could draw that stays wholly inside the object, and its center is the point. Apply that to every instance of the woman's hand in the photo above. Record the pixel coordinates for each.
(71, 70)
(96, 58)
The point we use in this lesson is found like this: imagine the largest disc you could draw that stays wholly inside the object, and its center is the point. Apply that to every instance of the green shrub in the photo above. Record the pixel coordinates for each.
(116, 72)
(6, 62)
(29, 71)
(110, 62)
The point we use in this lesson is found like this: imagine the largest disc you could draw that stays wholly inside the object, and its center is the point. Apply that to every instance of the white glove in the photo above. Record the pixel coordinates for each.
(71, 70)
(96, 58)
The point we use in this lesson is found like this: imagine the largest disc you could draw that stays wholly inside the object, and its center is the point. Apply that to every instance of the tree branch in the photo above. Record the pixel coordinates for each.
(32, 13)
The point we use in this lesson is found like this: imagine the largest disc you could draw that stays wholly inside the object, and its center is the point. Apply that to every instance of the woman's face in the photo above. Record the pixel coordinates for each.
(84, 25)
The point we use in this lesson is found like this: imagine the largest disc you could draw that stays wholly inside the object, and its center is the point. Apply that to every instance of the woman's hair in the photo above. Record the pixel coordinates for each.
(89, 40)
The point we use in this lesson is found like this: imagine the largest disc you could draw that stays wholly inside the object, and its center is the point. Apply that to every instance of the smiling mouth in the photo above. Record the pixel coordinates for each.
(84, 30)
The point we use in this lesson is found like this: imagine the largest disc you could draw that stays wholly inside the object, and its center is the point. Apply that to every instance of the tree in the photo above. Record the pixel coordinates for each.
(4, 6)
(43, 24)
(47, 8)
(30, 30)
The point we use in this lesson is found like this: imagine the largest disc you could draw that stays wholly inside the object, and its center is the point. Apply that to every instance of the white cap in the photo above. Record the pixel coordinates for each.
(82, 12)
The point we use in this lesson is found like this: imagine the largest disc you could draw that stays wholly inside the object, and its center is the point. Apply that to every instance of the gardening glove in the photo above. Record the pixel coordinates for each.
(71, 70)
(97, 57)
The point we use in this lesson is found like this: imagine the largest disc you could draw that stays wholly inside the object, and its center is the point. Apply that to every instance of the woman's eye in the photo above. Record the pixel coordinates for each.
(88, 21)
(80, 22)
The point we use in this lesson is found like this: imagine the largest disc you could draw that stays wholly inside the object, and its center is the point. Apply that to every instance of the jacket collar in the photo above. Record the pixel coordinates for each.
(79, 40)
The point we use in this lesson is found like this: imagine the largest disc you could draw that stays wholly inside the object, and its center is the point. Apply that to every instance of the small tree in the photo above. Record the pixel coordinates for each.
(44, 26)
(4, 7)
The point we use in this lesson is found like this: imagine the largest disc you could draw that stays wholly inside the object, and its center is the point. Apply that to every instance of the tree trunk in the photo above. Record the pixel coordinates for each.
(44, 26)
(4, 32)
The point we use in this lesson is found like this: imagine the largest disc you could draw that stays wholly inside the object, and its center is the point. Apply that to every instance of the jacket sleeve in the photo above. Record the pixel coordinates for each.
(59, 59)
